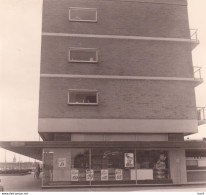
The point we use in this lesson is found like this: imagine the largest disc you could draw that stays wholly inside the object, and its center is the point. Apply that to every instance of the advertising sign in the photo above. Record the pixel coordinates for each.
(61, 162)
(74, 175)
(118, 174)
(104, 174)
(89, 175)
(129, 159)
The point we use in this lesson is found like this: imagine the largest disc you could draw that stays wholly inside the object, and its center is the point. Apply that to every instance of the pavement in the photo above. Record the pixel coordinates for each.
(28, 183)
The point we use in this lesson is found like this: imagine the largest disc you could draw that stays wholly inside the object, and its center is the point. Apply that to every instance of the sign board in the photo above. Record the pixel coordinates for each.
(104, 174)
(144, 174)
(118, 174)
(129, 159)
(74, 175)
(61, 162)
(89, 175)
(201, 163)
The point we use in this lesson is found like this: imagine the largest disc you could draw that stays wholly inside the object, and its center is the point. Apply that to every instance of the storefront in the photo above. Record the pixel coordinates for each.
(104, 166)
(196, 166)
(70, 164)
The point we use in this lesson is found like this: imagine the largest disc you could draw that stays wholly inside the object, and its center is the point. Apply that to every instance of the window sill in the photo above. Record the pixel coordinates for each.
(79, 61)
(73, 20)
(83, 104)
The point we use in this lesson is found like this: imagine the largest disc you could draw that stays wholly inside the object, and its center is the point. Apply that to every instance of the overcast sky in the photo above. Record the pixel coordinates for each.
(20, 64)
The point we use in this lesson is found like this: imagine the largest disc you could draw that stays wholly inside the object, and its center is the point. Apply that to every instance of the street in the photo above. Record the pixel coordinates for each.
(28, 183)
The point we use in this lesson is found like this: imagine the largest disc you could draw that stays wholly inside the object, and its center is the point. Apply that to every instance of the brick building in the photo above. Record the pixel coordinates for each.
(117, 95)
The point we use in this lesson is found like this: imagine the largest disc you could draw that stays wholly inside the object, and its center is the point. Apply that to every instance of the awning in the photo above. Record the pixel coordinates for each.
(34, 149)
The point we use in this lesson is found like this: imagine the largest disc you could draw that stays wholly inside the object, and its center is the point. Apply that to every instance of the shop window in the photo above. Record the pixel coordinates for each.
(152, 165)
(63, 166)
(112, 166)
(48, 156)
(83, 97)
(106, 166)
(89, 55)
(83, 14)
(80, 159)
(196, 165)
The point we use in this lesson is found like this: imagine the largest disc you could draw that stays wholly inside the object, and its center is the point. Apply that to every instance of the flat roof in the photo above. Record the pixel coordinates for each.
(34, 149)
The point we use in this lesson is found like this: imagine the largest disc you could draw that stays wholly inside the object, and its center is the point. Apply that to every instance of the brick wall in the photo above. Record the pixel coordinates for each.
(119, 99)
(118, 57)
(155, 19)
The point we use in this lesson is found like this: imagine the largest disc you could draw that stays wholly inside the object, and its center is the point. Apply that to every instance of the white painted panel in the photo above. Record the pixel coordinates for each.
(152, 137)
(201, 163)
(62, 173)
(120, 137)
(143, 174)
(133, 174)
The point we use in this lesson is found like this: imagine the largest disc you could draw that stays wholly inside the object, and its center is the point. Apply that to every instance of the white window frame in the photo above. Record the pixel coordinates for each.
(86, 91)
(82, 49)
(80, 20)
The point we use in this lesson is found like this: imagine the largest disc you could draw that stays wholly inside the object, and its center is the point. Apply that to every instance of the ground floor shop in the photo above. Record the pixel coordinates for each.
(196, 166)
(69, 164)
(121, 166)
(105, 166)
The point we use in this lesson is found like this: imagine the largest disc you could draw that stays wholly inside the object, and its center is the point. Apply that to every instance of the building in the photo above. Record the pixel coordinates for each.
(117, 95)
(17, 165)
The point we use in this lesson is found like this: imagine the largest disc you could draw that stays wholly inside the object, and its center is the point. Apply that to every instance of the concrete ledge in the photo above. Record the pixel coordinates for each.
(117, 125)
(170, 2)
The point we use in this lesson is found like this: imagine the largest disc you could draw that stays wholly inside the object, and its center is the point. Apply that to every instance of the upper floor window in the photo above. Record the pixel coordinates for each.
(83, 14)
(82, 97)
(83, 55)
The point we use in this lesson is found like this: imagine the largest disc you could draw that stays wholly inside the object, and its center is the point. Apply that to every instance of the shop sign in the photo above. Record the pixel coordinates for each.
(61, 162)
(89, 175)
(74, 175)
(104, 174)
(118, 174)
(129, 159)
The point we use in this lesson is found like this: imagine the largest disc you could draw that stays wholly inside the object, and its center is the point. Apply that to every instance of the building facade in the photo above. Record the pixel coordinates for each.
(117, 94)
(116, 72)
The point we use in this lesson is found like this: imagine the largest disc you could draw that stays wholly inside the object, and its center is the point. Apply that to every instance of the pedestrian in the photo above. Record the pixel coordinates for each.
(37, 171)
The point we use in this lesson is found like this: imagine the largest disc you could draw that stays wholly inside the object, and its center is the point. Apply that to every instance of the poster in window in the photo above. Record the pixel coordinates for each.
(129, 159)
(118, 174)
(74, 175)
(89, 175)
(61, 162)
(104, 174)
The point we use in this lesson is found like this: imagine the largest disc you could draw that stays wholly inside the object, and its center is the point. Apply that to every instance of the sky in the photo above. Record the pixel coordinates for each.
(20, 43)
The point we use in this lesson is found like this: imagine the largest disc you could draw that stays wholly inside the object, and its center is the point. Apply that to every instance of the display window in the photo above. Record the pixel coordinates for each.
(112, 165)
(104, 166)
(196, 166)
(152, 166)
(64, 166)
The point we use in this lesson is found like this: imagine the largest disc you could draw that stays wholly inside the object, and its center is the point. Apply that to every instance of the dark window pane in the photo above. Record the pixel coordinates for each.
(83, 14)
(83, 55)
(82, 97)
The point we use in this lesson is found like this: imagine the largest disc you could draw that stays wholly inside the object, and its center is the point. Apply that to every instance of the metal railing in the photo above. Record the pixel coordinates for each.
(193, 34)
(201, 113)
(197, 72)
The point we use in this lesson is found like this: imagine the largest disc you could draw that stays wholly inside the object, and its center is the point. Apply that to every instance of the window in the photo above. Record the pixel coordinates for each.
(82, 97)
(112, 165)
(107, 166)
(152, 165)
(63, 166)
(83, 55)
(83, 14)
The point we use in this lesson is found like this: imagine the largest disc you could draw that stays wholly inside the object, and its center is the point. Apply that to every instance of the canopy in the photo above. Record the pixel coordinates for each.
(34, 149)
